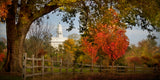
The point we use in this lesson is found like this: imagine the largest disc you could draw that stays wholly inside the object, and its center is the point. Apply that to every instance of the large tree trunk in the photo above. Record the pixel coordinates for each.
(15, 40)
(16, 34)
(14, 53)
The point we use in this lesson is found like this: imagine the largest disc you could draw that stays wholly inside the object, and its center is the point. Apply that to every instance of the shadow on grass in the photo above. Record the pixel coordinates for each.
(10, 76)
(85, 76)
(100, 76)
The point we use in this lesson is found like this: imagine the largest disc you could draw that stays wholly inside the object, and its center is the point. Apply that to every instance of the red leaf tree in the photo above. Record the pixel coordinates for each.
(112, 40)
(109, 37)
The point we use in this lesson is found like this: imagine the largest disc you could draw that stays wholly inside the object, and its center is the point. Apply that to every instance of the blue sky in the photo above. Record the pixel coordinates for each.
(135, 35)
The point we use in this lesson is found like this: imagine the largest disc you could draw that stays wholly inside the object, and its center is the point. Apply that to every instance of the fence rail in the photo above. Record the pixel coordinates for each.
(40, 69)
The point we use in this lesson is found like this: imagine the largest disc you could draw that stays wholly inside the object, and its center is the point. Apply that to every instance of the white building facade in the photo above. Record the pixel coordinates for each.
(59, 39)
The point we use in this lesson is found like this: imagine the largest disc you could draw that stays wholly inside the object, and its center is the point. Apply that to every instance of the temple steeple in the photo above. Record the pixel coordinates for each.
(59, 39)
(59, 31)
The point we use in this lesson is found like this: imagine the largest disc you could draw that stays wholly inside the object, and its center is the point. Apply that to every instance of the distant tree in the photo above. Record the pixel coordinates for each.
(69, 51)
(134, 60)
(146, 51)
(38, 38)
(74, 36)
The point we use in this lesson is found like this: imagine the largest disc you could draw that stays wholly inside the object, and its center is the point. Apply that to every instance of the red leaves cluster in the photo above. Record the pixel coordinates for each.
(112, 40)
(2, 56)
(90, 49)
(4, 8)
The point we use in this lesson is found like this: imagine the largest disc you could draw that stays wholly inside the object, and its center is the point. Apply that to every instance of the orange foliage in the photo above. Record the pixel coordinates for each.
(4, 8)
(110, 38)
(90, 49)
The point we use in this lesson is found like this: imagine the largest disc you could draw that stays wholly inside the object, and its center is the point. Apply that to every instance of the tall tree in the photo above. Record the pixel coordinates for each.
(21, 14)
(109, 37)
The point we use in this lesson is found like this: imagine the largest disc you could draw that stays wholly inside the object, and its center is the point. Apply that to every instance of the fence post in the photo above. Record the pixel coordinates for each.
(134, 68)
(24, 66)
(91, 68)
(42, 66)
(117, 68)
(100, 68)
(33, 65)
(73, 70)
(81, 67)
(67, 67)
(60, 69)
(52, 66)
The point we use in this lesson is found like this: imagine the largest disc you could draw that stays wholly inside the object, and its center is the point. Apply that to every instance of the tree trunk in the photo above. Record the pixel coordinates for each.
(112, 65)
(16, 34)
(14, 53)
(14, 49)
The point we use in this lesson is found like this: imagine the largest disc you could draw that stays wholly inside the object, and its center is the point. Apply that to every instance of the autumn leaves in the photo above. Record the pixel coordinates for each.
(4, 8)
(108, 38)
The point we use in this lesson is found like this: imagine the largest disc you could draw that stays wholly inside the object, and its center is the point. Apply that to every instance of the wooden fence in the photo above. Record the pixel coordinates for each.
(38, 67)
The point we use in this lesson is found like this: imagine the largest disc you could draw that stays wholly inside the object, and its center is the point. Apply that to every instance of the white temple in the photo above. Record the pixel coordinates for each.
(59, 39)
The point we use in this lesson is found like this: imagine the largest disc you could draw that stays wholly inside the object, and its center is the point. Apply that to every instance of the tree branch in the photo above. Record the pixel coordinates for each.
(42, 11)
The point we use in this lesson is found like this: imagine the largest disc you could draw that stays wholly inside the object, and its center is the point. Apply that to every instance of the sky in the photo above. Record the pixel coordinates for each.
(135, 35)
